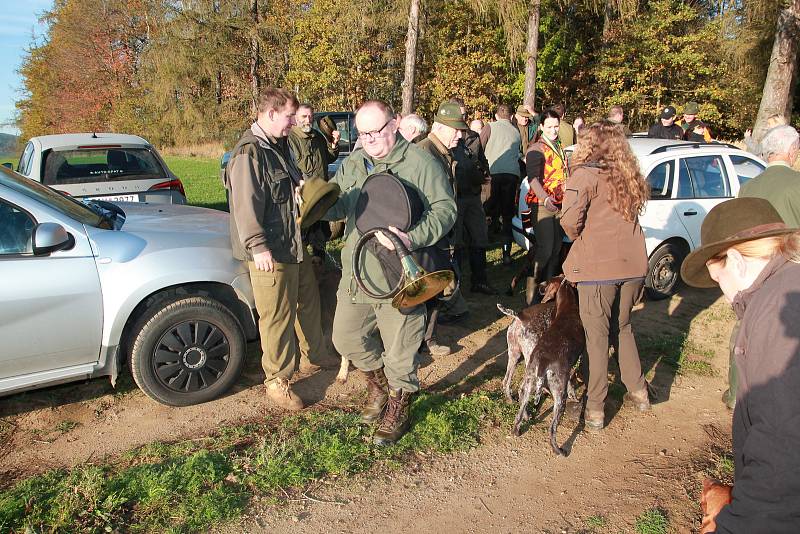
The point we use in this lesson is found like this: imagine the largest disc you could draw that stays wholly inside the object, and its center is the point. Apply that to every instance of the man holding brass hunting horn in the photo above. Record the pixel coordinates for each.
(394, 197)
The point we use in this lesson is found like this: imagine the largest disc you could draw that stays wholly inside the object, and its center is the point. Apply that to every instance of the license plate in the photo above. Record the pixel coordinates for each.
(118, 198)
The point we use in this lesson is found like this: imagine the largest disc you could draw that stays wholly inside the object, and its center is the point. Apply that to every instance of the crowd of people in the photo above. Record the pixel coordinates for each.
(467, 172)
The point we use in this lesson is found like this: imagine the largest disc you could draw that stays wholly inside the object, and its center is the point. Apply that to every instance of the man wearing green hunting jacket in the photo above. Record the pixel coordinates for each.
(376, 337)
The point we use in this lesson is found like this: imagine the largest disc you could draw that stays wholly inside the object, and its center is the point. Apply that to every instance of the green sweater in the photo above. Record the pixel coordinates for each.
(780, 185)
(416, 168)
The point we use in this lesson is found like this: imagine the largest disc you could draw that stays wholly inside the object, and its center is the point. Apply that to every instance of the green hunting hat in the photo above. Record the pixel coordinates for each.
(327, 127)
(727, 224)
(522, 111)
(691, 108)
(318, 196)
(449, 114)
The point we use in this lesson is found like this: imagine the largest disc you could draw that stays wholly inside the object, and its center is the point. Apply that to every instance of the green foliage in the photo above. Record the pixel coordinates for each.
(670, 54)
(462, 55)
(653, 521)
(180, 73)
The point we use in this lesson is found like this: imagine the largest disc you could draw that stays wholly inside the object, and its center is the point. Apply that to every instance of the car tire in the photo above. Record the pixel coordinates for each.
(187, 351)
(664, 272)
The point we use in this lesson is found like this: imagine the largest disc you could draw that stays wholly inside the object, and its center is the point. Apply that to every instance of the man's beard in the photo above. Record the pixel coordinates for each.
(306, 128)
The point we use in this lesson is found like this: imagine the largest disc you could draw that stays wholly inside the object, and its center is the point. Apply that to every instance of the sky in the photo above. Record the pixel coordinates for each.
(18, 23)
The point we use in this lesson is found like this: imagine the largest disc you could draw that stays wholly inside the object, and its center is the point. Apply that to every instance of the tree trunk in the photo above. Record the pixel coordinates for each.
(779, 86)
(531, 54)
(255, 56)
(411, 58)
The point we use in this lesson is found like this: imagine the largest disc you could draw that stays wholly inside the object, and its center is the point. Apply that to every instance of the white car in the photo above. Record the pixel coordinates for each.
(104, 166)
(686, 181)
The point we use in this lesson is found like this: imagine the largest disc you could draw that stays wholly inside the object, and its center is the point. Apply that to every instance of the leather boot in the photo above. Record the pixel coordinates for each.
(507, 255)
(397, 420)
(532, 295)
(377, 396)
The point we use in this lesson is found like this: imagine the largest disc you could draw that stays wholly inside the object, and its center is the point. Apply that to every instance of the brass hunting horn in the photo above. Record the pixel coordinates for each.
(415, 285)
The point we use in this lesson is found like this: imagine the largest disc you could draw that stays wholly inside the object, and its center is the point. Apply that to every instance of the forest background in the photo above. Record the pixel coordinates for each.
(188, 72)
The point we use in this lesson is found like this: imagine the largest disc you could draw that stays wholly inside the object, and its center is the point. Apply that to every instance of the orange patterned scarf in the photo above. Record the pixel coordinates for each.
(555, 172)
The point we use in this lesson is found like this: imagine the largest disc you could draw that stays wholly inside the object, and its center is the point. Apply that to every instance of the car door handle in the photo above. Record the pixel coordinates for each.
(690, 212)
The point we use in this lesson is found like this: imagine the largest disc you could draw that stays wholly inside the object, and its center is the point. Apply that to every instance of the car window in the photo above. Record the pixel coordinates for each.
(746, 168)
(24, 165)
(51, 198)
(685, 189)
(16, 229)
(660, 180)
(707, 175)
(91, 165)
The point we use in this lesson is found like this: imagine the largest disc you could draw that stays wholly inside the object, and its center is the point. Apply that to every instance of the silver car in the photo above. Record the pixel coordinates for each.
(86, 287)
(107, 166)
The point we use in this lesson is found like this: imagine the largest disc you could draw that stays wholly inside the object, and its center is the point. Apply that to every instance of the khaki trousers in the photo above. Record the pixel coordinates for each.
(602, 307)
(288, 306)
(378, 335)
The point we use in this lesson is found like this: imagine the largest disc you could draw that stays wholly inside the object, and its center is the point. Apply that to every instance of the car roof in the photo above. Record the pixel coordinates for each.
(643, 146)
(86, 139)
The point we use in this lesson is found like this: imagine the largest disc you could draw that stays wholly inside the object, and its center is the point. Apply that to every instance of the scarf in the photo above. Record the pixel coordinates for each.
(555, 172)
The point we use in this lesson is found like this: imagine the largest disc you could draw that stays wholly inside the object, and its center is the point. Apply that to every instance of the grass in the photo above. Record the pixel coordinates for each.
(190, 486)
(677, 351)
(201, 180)
(595, 522)
(652, 521)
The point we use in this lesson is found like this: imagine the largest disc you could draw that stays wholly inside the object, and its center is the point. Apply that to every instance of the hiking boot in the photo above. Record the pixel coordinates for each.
(594, 420)
(639, 399)
(280, 393)
(396, 421)
(377, 396)
(437, 350)
(483, 288)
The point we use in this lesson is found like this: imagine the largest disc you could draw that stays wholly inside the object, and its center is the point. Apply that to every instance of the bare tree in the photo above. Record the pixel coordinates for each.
(531, 55)
(779, 86)
(255, 82)
(411, 58)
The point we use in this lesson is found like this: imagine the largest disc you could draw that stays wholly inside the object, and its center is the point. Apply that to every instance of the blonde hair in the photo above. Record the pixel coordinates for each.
(603, 143)
(767, 248)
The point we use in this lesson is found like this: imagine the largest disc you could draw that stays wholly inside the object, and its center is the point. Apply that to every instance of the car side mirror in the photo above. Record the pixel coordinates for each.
(8, 165)
(50, 237)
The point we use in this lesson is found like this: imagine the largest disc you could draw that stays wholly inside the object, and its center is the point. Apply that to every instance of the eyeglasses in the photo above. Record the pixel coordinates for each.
(375, 133)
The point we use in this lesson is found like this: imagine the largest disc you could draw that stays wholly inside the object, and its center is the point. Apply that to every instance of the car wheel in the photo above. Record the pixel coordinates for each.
(187, 351)
(664, 272)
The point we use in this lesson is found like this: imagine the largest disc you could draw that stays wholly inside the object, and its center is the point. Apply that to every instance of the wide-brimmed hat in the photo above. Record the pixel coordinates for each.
(727, 224)
(327, 127)
(522, 111)
(318, 196)
(449, 114)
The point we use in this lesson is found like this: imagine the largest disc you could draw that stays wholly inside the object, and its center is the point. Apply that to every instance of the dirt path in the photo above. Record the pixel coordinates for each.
(506, 485)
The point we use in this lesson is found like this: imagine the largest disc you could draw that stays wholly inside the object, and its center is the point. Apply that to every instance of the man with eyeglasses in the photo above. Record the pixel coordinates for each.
(377, 338)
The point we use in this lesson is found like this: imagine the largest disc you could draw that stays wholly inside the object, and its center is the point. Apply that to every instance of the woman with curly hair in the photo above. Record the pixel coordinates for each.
(608, 260)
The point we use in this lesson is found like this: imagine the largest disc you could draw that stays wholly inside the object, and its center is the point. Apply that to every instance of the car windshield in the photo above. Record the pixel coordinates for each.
(101, 164)
(53, 199)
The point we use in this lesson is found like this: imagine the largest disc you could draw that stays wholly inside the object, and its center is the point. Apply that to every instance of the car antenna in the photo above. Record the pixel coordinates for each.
(94, 135)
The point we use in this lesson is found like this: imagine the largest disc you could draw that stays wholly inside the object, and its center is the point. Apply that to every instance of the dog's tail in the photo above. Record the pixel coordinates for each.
(507, 311)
